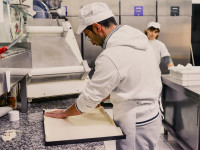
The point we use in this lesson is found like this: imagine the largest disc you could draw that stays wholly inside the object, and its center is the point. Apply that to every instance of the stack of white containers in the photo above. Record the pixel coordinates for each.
(185, 75)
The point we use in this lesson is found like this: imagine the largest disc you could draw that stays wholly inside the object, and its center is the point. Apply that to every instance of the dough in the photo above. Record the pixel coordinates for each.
(9, 135)
(89, 125)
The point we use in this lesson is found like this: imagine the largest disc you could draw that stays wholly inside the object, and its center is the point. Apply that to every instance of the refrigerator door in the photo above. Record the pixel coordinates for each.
(128, 7)
(176, 34)
(139, 22)
(175, 19)
(137, 13)
(165, 7)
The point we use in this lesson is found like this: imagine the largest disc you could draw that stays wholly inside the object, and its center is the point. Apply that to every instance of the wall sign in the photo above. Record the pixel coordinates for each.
(138, 10)
(175, 10)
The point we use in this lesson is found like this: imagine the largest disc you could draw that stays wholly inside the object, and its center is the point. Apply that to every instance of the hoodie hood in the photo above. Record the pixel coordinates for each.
(127, 36)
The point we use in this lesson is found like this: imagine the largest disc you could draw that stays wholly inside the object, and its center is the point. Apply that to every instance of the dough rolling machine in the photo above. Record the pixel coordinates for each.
(53, 64)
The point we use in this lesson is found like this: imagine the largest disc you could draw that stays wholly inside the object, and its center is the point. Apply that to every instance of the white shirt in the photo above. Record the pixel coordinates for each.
(160, 49)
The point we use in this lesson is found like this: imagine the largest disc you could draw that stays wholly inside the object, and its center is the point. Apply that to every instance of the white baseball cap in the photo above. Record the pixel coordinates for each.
(154, 24)
(92, 13)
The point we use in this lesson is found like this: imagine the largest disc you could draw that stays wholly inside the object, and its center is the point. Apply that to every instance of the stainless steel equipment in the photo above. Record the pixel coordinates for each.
(182, 113)
(175, 19)
(57, 65)
(138, 13)
(72, 16)
(53, 63)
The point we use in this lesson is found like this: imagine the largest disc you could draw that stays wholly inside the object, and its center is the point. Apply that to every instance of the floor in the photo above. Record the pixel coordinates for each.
(165, 142)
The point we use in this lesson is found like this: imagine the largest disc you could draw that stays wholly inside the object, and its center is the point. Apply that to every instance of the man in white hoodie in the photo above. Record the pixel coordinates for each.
(127, 72)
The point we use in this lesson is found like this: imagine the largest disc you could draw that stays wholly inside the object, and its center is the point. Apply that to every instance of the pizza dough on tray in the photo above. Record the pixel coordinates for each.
(89, 125)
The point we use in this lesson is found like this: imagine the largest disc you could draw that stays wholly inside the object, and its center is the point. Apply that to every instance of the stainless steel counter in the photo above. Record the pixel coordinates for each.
(195, 90)
(181, 112)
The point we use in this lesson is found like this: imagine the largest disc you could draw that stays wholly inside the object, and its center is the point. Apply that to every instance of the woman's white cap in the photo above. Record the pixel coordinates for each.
(92, 13)
(153, 24)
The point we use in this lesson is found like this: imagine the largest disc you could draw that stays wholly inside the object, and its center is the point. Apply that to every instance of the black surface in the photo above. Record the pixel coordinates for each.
(85, 140)
(196, 53)
(195, 23)
(196, 33)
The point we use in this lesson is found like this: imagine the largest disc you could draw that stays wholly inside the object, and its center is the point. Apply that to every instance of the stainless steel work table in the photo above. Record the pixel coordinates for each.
(181, 112)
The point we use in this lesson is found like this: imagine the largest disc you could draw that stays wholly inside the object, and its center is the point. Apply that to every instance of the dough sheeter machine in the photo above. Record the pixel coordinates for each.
(53, 64)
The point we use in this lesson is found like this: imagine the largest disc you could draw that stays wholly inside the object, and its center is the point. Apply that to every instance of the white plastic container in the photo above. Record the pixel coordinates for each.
(185, 82)
(185, 76)
(4, 110)
(13, 115)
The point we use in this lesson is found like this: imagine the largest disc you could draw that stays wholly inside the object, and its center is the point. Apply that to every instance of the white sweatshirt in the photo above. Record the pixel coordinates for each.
(127, 70)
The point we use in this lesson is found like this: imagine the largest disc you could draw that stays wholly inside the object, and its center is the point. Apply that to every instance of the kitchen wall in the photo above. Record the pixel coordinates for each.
(195, 1)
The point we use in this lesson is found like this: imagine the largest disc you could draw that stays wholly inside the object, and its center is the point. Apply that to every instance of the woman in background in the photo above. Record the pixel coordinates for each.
(162, 54)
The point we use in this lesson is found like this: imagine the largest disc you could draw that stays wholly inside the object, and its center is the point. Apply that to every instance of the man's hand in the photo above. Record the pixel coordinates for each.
(57, 114)
(72, 111)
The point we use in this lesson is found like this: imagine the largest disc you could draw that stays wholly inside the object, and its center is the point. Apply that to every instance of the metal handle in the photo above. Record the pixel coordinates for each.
(16, 40)
(198, 115)
(192, 55)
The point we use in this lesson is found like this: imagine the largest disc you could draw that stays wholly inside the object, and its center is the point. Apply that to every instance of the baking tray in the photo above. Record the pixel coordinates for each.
(98, 139)
(83, 140)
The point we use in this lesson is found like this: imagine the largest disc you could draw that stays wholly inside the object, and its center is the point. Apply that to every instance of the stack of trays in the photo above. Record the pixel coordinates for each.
(185, 76)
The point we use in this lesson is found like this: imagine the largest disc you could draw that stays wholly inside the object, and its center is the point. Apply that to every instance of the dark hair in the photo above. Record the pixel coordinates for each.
(106, 23)
(152, 29)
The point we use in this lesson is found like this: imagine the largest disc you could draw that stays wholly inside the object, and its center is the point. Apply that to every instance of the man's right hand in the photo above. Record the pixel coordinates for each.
(71, 111)
(56, 114)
